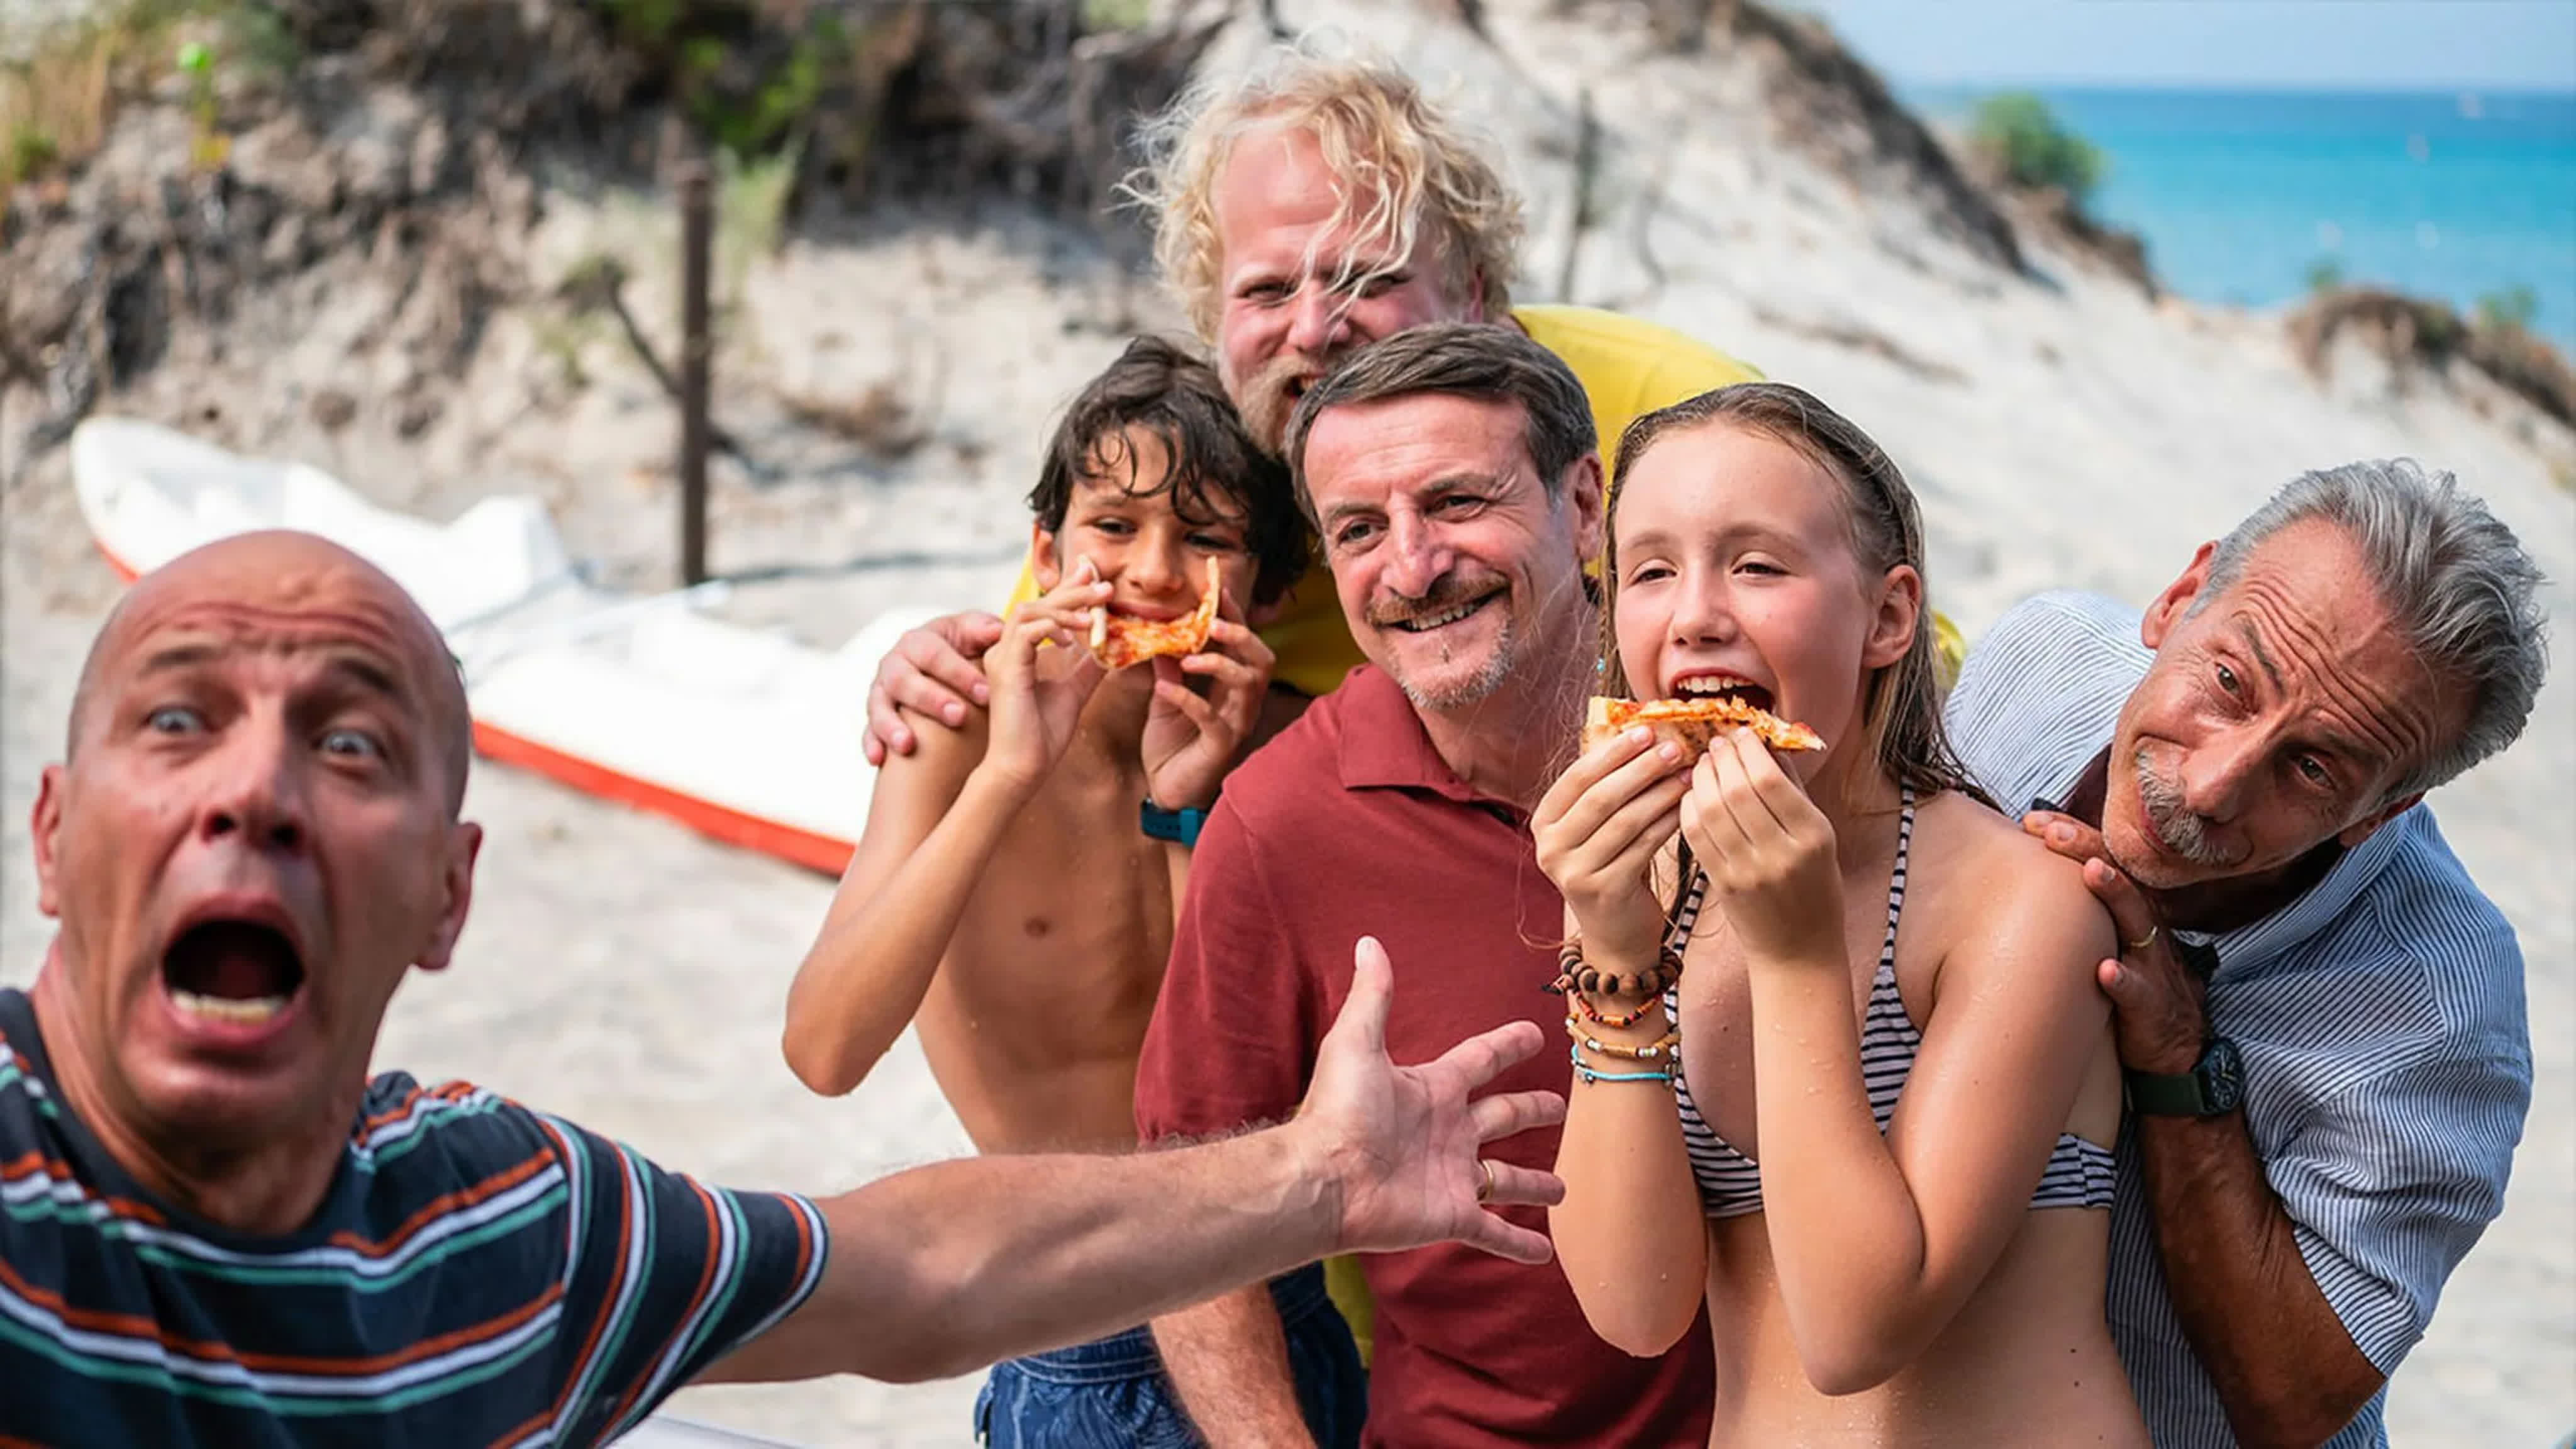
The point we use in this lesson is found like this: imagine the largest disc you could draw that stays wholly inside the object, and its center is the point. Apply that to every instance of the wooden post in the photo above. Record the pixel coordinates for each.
(696, 242)
(1587, 162)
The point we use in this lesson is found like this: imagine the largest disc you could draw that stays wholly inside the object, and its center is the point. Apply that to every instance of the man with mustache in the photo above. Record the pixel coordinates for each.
(2320, 1015)
(1301, 212)
(215, 1229)
(1452, 476)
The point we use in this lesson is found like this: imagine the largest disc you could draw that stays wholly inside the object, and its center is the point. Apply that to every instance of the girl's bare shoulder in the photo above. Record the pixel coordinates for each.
(1983, 869)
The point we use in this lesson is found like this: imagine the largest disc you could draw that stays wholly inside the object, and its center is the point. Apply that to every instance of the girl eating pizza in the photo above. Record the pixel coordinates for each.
(1842, 1072)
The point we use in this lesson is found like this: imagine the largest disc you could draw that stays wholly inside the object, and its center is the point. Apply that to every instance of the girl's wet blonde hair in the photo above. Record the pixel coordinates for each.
(1901, 711)
(1403, 164)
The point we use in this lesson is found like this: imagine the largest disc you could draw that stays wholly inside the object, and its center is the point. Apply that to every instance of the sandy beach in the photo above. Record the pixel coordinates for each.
(2061, 429)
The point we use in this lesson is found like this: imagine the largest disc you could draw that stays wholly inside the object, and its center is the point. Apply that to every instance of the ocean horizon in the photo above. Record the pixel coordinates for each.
(2247, 197)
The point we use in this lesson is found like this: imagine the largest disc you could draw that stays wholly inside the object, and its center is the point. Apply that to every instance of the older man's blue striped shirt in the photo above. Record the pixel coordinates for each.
(2387, 1060)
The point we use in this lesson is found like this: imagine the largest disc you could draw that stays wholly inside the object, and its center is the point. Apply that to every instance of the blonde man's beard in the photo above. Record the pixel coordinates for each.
(1268, 399)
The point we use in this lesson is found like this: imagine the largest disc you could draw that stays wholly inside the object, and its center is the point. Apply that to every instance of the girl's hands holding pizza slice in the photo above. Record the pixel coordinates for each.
(1192, 738)
(1598, 830)
(1038, 694)
(1769, 854)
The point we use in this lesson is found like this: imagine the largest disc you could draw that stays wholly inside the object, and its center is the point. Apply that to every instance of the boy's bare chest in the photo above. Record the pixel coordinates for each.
(1068, 933)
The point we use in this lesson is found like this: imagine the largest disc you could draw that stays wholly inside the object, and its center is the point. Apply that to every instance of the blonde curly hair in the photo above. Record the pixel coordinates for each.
(1402, 163)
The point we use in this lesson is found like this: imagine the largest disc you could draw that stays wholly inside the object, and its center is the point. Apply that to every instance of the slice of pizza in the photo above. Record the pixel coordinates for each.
(1694, 724)
(1118, 640)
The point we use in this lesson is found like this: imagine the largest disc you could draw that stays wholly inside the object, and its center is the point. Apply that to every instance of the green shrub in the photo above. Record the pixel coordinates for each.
(258, 36)
(2018, 131)
(2514, 308)
(30, 151)
(2325, 274)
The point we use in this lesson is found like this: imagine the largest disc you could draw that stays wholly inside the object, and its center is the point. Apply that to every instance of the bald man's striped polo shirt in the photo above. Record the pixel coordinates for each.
(478, 1273)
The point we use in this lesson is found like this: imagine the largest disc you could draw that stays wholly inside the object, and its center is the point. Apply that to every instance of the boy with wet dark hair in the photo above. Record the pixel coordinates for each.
(1214, 472)
(1014, 892)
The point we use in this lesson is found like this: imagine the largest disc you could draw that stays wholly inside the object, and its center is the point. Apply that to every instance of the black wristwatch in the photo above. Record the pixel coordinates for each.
(2213, 1087)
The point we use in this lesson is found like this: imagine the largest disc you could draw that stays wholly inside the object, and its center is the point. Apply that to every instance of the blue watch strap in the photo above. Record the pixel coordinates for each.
(1179, 826)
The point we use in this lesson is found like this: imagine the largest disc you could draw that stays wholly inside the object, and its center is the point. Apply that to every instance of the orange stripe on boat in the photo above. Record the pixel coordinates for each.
(752, 832)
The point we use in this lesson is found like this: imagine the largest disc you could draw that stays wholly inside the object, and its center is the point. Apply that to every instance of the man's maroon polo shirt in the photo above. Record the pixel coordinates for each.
(1350, 824)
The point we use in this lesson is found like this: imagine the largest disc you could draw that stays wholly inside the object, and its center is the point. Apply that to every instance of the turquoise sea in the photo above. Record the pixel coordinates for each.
(2242, 195)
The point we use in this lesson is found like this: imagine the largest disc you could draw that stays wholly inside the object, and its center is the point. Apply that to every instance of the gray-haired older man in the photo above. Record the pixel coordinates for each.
(2321, 1016)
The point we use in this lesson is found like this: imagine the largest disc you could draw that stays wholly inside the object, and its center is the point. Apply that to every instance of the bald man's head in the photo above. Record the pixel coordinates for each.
(302, 587)
(253, 841)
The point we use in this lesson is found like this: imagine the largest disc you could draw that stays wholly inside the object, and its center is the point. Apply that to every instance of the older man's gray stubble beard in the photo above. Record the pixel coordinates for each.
(1475, 689)
(1517, 651)
(2183, 831)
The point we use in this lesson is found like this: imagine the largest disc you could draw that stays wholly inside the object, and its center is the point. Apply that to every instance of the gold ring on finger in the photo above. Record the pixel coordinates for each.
(2149, 939)
(1484, 1180)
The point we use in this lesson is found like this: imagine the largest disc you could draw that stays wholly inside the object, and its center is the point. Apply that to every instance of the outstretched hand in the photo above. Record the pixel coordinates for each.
(2159, 1004)
(1403, 1146)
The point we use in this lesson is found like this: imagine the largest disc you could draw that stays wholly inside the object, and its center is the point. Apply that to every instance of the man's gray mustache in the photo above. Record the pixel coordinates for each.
(1448, 593)
(2183, 831)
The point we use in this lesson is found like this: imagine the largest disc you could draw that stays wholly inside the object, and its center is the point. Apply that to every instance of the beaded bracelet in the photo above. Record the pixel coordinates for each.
(1615, 1020)
(1574, 975)
(1575, 1055)
(1668, 1045)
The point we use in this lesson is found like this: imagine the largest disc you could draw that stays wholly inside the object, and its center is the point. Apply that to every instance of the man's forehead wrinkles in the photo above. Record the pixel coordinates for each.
(359, 620)
(2337, 670)
(371, 668)
(196, 631)
(2254, 643)
(2270, 609)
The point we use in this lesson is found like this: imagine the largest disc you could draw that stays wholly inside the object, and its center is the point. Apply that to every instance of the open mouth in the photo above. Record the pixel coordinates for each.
(238, 972)
(1442, 619)
(1723, 686)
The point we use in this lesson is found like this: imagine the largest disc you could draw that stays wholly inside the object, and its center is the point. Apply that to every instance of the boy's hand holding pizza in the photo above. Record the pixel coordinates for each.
(1038, 694)
(1193, 738)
